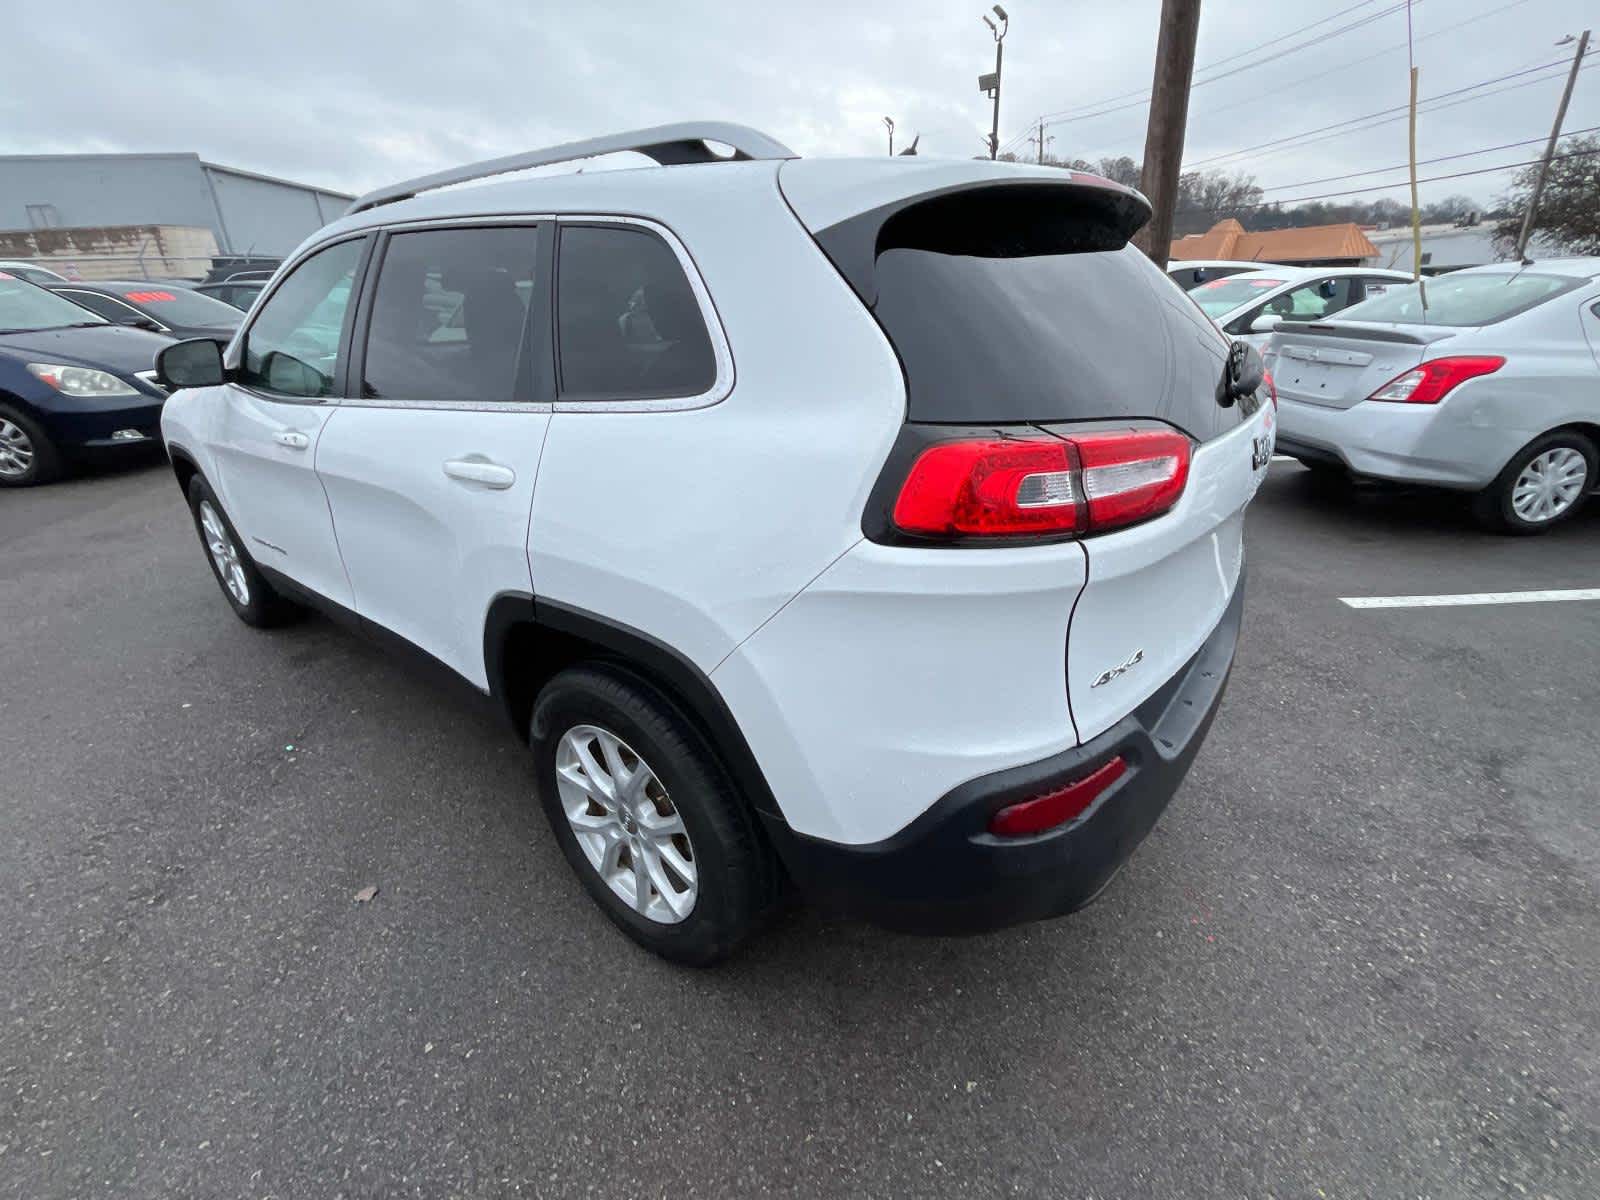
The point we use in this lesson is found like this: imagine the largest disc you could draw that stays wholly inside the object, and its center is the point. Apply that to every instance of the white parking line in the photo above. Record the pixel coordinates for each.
(1544, 597)
(1283, 458)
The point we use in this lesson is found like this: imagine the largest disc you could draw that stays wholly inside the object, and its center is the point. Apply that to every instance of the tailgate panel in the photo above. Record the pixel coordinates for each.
(1156, 591)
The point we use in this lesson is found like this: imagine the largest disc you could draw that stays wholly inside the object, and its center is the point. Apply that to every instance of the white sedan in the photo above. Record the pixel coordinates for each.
(1250, 306)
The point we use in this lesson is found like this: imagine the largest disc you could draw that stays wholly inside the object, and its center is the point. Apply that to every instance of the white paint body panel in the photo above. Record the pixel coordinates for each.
(270, 490)
(428, 553)
(1160, 588)
(697, 526)
(902, 673)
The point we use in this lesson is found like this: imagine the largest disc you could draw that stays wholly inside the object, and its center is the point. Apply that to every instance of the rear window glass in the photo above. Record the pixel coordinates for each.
(628, 323)
(1013, 311)
(1224, 295)
(1463, 300)
(179, 306)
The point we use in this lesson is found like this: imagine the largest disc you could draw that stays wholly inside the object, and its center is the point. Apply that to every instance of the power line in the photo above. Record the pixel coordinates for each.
(1300, 80)
(1279, 187)
(1400, 115)
(1144, 93)
(1382, 112)
(1232, 65)
(1385, 187)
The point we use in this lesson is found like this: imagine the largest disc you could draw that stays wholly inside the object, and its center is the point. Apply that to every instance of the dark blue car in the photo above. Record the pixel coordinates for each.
(72, 385)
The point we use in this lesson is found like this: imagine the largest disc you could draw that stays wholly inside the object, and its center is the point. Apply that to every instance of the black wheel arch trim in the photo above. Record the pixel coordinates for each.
(685, 683)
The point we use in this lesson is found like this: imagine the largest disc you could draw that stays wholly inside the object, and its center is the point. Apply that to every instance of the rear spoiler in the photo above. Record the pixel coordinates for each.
(1016, 218)
(1365, 333)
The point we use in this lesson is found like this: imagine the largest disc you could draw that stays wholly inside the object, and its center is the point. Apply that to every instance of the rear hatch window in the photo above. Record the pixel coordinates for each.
(1023, 303)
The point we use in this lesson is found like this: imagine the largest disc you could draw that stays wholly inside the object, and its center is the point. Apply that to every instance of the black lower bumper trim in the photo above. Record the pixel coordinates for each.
(946, 873)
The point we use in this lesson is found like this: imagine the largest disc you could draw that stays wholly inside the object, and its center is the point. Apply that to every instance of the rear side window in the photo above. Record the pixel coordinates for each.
(1464, 300)
(292, 347)
(1010, 308)
(629, 326)
(111, 310)
(450, 316)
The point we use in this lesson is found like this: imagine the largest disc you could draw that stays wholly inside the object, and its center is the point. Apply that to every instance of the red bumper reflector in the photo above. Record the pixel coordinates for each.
(1057, 807)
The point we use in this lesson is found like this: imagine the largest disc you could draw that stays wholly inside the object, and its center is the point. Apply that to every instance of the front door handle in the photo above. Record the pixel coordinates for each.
(291, 439)
(479, 470)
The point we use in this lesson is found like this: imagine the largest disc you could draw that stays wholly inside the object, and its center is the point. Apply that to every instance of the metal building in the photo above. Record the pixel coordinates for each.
(247, 213)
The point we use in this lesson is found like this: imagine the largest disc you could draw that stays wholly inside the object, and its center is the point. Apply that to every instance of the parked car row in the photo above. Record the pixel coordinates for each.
(1485, 381)
(73, 385)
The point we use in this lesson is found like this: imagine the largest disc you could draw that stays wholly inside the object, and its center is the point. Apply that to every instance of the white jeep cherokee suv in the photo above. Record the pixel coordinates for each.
(871, 523)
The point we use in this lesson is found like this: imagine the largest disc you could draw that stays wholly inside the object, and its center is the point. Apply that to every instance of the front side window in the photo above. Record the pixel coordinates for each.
(292, 347)
(450, 316)
(629, 326)
(1311, 302)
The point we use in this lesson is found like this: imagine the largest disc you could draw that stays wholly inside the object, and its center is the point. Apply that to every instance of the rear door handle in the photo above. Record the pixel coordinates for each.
(478, 470)
(291, 439)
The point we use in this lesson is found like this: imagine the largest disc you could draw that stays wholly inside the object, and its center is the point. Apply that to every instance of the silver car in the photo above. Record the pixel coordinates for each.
(1492, 388)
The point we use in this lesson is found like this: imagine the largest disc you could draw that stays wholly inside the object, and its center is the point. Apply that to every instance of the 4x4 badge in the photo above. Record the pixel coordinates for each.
(1108, 676)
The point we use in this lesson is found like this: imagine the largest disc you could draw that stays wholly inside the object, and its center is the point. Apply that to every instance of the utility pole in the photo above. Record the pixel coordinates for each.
(1169, 113)
(889, 124)
(991, 83)
(1042, 141)
(1550, 149)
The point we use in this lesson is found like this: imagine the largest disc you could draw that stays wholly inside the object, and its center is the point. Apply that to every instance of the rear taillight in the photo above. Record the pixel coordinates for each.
(1433, 380)
(1021, 487)
(1057, 807)
(1272, 388)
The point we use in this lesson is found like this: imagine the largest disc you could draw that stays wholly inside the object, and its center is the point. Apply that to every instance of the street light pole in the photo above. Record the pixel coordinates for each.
(991, 83)
(1550, 149)
(889, 124)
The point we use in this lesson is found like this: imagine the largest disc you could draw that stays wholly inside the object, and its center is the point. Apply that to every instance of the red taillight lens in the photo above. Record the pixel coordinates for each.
(1129, 477)
(990, 487)
(1033, 486)
(1057, 807)
(1433, 380)
(1272, 388)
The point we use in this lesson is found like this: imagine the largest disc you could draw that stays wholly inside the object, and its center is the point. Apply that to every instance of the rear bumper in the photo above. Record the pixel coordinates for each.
(945, 873)
(1405, 443)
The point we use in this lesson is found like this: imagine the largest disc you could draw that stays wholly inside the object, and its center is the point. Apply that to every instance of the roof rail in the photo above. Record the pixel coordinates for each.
(669, 145)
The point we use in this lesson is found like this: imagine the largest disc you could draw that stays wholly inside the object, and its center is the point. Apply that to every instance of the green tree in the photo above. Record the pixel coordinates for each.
(1569, 208)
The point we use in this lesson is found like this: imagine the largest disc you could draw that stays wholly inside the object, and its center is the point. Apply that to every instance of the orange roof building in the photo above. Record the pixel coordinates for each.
(1311, 246)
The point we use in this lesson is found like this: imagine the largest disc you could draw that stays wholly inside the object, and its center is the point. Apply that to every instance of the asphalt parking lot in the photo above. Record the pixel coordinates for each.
(1360, 956)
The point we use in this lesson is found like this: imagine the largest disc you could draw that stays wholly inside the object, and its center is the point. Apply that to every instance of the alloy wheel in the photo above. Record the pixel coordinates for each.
(16, 450)
(628, 827)
(224, 553)
(1549, 484)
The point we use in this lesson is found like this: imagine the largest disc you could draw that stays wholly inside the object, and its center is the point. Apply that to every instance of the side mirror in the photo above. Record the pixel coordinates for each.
(1242, 374)
(1265, 324)
(194, 363)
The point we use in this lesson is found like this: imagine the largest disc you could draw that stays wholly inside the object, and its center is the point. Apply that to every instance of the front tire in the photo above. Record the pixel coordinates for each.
(1545, 483)
(27, 455)
(648, 817)
(251, 597)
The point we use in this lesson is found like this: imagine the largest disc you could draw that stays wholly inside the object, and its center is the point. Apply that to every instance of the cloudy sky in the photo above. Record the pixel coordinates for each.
(349, 94)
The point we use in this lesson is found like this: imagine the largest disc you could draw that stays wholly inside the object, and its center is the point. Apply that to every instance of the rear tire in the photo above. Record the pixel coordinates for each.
(1544, 484)
(619, 767)
(27, 455)
(251, 597)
